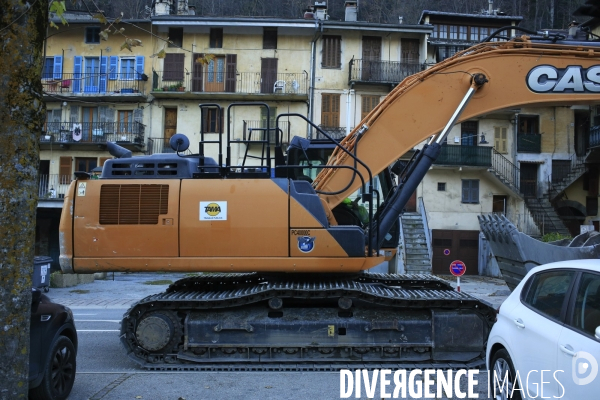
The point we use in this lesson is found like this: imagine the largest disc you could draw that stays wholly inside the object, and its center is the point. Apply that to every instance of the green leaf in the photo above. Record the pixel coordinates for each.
(58, 7)
(104, 34)
(100, 17)
(126, 46)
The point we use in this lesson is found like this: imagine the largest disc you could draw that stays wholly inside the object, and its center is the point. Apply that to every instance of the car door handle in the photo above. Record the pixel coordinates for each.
(568, 350)
(45, 318)
(518, 322)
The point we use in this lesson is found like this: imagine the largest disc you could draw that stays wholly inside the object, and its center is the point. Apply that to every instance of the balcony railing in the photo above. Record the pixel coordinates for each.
(334, 131)
(158, 145)
(381, 71)
(93, 132)
(256, 130)
(97, 84)
(529, 143)
(54, 186)
(594, 136)
(223, 82)
(476, 156)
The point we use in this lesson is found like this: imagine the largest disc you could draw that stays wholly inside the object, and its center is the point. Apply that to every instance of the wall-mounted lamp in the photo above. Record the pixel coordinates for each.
(64, 104)
(483, 141)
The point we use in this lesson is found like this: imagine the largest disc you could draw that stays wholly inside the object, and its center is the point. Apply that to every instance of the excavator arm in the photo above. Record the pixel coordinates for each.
(519, 72)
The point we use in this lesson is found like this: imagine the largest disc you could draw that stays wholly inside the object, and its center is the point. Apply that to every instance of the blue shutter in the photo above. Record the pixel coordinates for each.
(103, 62)
(77, 61)
(57, 70)
(139, 67)
(114, 65)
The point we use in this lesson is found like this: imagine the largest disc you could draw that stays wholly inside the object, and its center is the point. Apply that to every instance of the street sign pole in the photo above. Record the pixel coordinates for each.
(458, 283)
(457, 268)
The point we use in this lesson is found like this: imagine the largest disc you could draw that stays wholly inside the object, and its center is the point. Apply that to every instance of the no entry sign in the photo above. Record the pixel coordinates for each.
(457, 268)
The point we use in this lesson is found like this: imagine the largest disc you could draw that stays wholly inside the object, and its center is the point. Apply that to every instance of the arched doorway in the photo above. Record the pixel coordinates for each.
(572, 213)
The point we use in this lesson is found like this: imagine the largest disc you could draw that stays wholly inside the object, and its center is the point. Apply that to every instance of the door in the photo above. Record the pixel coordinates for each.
(578, 348)
(409, 63)
(582, 131)
(534, 328)
(197, 79)
(215, 75)
(85, 164)
(529, 179)
(92, 74)
(450, 245)
(268, 74)
(371, 56)
(125, 125)
(44, 174)
(90, 120)
(170, 128)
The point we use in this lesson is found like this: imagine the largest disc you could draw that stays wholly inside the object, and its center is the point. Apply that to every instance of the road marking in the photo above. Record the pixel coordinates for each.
(98, 330)
(98, 320)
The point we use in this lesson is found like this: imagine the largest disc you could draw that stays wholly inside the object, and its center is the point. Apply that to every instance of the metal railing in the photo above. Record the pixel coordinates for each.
(336, 132)
(541, 218)
(256, 130)
(161, 145)
(479, 156)
(93, 132)
(53, 186)
(223, 82)
(508, 172)
(529, 143)
(381, 71)
(95, 84)
(594, 136)
(564, 173)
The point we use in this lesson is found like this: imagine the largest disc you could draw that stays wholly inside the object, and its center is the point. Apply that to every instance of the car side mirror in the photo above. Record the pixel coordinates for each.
(597, 333)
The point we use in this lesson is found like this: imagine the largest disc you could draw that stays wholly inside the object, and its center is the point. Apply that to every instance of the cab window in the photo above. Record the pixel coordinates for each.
(547, 292)
(586, 314)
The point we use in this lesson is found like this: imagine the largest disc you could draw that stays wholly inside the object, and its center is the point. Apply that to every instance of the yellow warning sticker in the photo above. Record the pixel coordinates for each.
(331, 330)
(81, 188)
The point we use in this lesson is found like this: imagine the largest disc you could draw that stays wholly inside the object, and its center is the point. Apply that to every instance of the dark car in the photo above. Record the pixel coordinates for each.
(53, 349)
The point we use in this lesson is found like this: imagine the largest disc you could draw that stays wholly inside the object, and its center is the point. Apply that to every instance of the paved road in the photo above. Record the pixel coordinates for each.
(105, 372)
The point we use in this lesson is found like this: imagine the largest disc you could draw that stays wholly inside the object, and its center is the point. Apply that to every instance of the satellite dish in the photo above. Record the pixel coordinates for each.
(179, 142)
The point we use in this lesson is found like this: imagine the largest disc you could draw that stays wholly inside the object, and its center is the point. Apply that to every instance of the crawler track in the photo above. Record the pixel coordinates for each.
(254, 320)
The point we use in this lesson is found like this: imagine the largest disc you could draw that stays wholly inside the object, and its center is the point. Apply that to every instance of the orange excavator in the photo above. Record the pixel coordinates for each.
(287, 257)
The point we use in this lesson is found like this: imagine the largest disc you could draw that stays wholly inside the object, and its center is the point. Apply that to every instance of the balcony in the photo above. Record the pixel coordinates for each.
(381, 72)
(474, 156)
(120, 87)
(127, 134)
(241, 86)
(335, 132)
(529, 143)
(52, 189)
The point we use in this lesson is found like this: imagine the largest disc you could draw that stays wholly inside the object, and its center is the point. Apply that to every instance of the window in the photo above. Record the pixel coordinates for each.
(529, 124)
(500, 140)
(462, 32)
(175, 37)
(216, 38)
(270, 38)
(368, 103)
(173, 67)
(443, 32)
(211, 121)
(332, 52)
(85, 164)
(468, 133)
(475, 33)
(441, 186)
(434, 34)
(586, 315)
(483, 33)
(470, 191)
(127, 68)
(272, 122)
(453, 32)
(330, 110)
(48, 68)
(92, 34)
(547, 292)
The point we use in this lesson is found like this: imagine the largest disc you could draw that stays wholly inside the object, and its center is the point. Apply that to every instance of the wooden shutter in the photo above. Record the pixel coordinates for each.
(173, 67)
(470, 191)
(77, 65)
(103, 73)
(64, 174)
(368, 104)
(332, 51)
(230, 72)
(330, 110)
(57, 68)
(500, 139)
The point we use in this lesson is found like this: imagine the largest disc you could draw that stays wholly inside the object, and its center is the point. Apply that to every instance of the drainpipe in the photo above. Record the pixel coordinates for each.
(349, 94)
(313, 72)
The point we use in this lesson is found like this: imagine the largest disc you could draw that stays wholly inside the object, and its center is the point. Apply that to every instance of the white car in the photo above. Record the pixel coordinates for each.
(547, 336)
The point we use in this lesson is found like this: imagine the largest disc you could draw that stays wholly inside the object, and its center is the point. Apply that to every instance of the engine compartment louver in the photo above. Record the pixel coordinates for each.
(133, 204)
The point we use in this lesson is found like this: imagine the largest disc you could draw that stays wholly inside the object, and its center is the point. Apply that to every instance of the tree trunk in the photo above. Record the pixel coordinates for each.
(22, 31)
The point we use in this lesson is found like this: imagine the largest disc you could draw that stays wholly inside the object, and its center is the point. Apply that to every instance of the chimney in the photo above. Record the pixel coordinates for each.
(351, 10)
(400, 19)
(320, 9)
(491, 7)
(182, 7)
